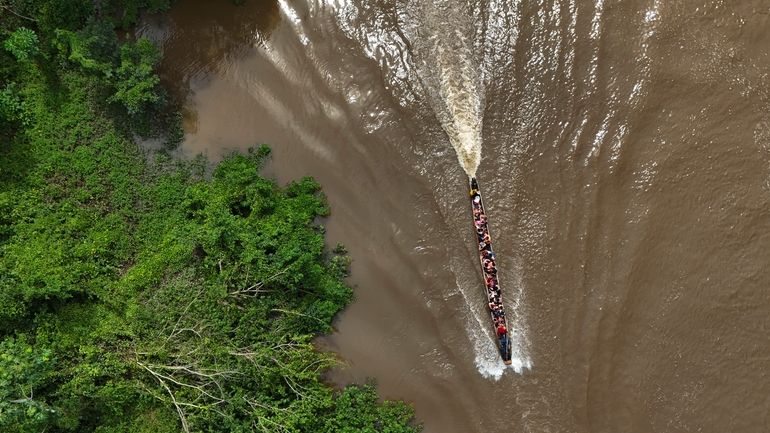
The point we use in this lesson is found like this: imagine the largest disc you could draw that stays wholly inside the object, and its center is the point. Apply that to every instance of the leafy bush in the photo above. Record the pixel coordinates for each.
(135, 80)
(23, 44)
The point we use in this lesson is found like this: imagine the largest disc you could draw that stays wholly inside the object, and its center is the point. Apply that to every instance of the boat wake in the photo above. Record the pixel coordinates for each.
(487, 357)
(436, 45)
(486, 353)
(450, 76)
(488, 362)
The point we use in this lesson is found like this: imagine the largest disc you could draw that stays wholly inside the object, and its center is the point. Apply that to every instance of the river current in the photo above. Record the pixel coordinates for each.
(623, 149)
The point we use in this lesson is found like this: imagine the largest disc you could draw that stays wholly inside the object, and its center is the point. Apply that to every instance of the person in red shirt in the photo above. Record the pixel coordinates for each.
(501, 330)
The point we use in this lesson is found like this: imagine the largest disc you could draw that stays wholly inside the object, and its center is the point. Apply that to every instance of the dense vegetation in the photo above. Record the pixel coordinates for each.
(138, 294)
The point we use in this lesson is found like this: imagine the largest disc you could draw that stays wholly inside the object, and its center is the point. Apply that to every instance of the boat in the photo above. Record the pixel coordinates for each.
(487, 260)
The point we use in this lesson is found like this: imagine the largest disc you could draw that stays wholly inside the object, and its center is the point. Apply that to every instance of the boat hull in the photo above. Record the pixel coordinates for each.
(487, 260)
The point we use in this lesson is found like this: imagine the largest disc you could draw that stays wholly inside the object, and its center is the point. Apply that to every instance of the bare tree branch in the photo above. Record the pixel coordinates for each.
(256, 288)
(9, 9)
(281, 310)
(179, 410)
(184, 312)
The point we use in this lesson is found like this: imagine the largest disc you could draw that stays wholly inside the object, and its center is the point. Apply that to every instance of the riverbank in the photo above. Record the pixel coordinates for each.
(147, 297)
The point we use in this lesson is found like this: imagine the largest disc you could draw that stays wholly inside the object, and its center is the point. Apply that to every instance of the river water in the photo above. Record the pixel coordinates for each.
(624, 152)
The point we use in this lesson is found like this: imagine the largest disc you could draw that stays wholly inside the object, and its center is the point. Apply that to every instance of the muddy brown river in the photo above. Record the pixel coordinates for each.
(624, 152)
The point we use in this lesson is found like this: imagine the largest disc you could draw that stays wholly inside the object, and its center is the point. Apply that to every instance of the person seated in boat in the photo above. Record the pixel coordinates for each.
(476, 213)
(476, 200)
(482, 245)
(501, 329)
(489, 264)
(487, 239)
(479, 225)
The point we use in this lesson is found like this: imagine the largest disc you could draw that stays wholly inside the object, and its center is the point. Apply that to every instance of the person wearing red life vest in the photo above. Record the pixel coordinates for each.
(501, 330)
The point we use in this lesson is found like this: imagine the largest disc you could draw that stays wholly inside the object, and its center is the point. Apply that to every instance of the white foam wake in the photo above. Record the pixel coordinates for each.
(461, 93)
(486, 355)
(451, 78)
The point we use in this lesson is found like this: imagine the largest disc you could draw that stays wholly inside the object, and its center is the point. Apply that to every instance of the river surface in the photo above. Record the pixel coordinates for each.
(624, 152)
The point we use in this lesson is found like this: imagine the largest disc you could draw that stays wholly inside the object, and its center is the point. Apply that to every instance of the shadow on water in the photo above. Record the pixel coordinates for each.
(199, 36)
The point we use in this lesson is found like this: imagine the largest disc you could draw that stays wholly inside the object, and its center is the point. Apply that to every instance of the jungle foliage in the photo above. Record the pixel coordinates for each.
(138, 294)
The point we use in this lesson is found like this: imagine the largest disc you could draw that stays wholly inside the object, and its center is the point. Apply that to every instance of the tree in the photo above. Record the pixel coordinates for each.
(23, 44)
(135, 80)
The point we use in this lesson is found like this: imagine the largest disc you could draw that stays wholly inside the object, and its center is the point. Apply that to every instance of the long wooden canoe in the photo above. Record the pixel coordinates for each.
(487, 260)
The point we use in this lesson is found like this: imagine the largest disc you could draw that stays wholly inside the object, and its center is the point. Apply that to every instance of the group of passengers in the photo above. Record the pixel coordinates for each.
(488, 264)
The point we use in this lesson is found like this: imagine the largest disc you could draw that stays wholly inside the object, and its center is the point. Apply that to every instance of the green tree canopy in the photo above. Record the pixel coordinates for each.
(23, 44)
(135, 80)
